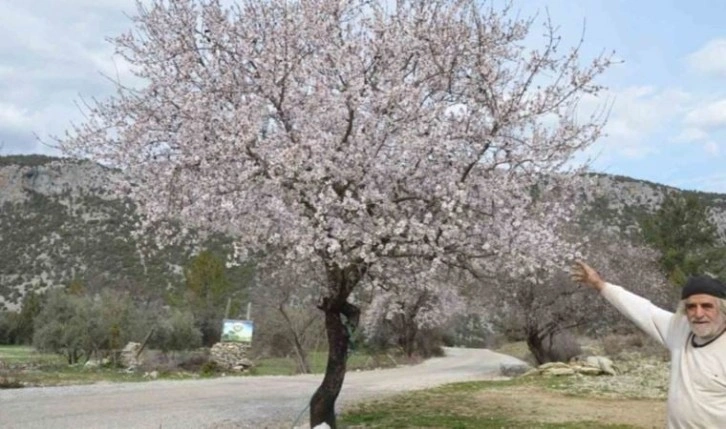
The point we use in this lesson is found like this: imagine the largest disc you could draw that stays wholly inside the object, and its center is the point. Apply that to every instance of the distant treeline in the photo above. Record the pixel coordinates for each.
(33, 160)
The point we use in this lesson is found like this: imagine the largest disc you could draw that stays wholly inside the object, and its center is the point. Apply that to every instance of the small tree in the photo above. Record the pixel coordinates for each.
(30, 307)
(206, 293)
(80, 326)
(8, 327)
(412, 305)
(175, 330)
(346, 133)
(682, 230)
(119, 321)
(285, 302)
(67, 325)
(544, 310)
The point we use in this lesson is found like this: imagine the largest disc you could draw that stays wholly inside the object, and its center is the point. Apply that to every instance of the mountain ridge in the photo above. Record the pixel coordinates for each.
(60, 221)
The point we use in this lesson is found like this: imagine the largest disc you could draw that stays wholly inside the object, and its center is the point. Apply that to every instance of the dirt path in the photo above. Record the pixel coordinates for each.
(232, 402)
(536, 404)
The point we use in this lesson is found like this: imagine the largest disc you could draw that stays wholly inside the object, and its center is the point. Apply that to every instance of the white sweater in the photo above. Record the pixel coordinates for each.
(697, 390)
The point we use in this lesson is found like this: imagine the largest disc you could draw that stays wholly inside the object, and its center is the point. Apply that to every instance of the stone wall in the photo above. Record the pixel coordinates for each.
(231, 356)
(129, 354)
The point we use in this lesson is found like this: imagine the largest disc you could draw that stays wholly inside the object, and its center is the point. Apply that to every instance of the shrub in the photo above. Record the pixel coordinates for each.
(8, 382)
(176, 330)
(469, 330)
(195, 360)
(66, 325)
(17, 327)
(614, 344)
(8, 327)
(618, 345)
(172, 361)
(210, 367)
(563, 347)
(428, 343)
(78, 326)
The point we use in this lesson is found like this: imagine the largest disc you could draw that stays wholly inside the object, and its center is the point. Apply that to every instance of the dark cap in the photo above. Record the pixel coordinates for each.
(703, 284)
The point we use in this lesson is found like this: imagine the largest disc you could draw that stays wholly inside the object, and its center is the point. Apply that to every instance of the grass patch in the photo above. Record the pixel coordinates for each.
(518, 350)
(318, 361)
(61, 376)
(22, 366)
(15, 355)
(64, 375)
(525, 403)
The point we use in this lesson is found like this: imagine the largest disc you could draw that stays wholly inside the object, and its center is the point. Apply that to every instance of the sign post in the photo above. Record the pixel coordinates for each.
(237, 331)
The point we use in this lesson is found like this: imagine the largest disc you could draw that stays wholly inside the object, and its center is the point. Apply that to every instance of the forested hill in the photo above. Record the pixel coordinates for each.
(60, 223)
(617, 202)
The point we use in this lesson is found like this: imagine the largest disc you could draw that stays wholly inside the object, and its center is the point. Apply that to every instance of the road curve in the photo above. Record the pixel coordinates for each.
(226, 402)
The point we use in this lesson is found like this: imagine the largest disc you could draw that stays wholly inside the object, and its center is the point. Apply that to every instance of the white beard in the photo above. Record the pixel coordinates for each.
(706, 331)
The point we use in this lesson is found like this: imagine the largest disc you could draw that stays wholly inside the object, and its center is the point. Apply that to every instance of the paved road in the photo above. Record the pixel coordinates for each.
(224, 403)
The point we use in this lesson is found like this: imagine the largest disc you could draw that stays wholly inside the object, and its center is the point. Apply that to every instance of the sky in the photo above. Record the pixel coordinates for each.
(667, 94)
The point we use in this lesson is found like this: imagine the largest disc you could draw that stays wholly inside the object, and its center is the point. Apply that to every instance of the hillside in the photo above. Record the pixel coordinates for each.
(60, 222)
(616, 203)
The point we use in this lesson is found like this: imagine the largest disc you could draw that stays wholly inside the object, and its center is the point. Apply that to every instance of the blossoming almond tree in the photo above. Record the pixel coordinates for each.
(345, 132)
(412, 301)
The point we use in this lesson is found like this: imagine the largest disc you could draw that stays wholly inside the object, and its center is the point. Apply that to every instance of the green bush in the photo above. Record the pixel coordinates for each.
(66, 325)
(8, 325)
(209, 368)
(81, 326)
(176, 330)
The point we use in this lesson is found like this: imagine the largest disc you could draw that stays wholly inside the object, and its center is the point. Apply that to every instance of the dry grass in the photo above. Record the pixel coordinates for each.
(541, 405)
(517, 349)
(527, 403)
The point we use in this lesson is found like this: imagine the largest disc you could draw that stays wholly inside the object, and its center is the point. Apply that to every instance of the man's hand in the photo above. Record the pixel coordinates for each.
(583, 273)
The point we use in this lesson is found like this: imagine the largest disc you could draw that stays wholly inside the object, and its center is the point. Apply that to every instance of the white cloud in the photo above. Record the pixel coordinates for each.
(711, 148)
(13, 117)
(53, 53)
(710, 59)
(708, 116)
(688, 135)
(637, 113)
(5, 71)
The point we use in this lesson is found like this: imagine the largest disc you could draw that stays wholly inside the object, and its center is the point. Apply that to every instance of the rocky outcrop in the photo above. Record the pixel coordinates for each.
(61, 220)
(231, 356)
(55, 177)
(513, 369)
(129, 355)
(591, 365)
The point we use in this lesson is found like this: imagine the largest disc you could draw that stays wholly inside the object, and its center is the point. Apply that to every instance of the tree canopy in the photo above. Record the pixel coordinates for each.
(349, 134)
(682, 230)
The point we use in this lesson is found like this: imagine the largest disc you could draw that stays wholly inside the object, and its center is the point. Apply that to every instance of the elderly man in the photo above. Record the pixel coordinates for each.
(694, 335)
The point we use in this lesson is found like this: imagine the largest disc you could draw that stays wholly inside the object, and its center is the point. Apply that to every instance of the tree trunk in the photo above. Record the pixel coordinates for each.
(322, 404)
(302, 361)
(407, 338)
(537, 347)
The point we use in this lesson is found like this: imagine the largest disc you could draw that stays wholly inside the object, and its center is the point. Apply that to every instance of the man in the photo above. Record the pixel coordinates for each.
(694, 335)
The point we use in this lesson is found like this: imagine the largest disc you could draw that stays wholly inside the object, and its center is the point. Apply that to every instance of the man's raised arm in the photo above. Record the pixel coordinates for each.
(652, 319)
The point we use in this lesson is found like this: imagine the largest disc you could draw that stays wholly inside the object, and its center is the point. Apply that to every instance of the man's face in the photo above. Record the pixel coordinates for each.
(704, 315)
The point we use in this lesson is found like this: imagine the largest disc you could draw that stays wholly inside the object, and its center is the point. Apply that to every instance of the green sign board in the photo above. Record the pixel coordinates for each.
(237, 331)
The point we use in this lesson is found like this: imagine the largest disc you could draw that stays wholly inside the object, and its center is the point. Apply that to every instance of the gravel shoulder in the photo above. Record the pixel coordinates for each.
(228, 402)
